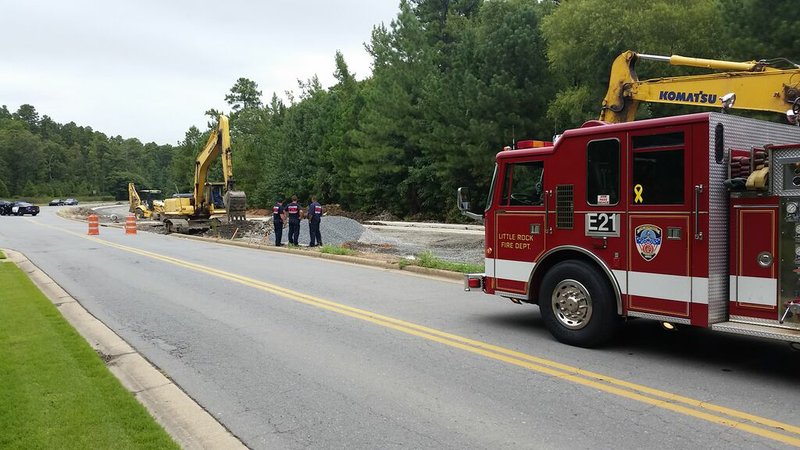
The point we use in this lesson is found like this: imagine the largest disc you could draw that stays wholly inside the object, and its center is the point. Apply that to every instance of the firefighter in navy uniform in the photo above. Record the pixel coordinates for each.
(314, 215)
(294, 212)
(278, 216)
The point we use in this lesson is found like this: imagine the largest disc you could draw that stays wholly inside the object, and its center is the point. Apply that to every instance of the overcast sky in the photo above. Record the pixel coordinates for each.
(149, 69)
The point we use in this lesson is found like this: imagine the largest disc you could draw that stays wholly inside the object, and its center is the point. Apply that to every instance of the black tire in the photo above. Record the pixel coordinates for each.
(34, 214)
(139, 214)
(168, 227)
(577, 304)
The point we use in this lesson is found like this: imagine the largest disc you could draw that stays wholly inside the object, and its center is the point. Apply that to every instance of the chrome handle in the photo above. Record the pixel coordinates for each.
(547, 228)
(698, 189)
(792, 308)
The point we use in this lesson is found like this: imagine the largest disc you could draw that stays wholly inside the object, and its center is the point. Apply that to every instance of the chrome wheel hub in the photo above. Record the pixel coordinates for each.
(572, 304)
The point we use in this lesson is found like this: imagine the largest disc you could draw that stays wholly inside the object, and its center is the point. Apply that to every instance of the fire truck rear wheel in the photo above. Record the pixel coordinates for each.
(577, 304)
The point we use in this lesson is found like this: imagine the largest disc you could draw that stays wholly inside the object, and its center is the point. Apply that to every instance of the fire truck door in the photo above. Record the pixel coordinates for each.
(519, 226)
(660, 230)
(755, 240)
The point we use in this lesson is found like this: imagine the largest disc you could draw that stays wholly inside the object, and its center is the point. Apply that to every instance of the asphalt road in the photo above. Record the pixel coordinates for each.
(296, 352)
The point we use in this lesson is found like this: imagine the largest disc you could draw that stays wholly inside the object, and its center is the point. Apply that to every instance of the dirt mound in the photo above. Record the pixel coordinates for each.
(79, 212)
(335, 209)
(258, 212)
(83, 213)
(249, 231)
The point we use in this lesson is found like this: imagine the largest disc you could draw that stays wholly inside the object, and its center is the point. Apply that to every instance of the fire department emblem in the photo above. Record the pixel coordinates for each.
(648, 241)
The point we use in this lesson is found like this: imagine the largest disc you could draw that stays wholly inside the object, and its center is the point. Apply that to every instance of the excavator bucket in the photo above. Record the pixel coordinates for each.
(236, 205)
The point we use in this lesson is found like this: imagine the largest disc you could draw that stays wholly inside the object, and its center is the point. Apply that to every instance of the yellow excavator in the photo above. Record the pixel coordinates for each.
(753, 85)
(210, 201)
(150, 208)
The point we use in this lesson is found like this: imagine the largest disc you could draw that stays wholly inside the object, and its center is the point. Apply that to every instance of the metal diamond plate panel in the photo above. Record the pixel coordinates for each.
(740, 133)
(777, 174)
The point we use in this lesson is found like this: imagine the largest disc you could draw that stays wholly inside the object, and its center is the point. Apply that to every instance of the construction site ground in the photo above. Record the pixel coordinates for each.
(370, 237)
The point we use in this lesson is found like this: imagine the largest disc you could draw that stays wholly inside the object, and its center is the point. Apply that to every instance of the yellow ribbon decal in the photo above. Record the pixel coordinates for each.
(638, 191)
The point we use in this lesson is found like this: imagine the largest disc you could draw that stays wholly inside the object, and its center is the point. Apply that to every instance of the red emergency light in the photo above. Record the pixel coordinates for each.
(532, 144)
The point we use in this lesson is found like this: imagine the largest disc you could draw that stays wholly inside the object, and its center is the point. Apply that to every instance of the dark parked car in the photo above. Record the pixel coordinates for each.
(5, 207)
(22, 208)
(56, 202)
(70, 202)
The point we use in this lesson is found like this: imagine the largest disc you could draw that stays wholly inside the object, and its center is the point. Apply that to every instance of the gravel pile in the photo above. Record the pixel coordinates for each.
(410, 243)
(374, 241)
(335, 230)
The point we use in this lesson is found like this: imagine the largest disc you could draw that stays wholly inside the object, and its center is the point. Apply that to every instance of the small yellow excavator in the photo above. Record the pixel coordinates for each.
(210, 201)
(150, 208)
(753, 85)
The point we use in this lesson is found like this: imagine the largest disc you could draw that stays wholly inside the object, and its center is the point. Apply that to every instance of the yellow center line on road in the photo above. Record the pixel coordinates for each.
(764, 427)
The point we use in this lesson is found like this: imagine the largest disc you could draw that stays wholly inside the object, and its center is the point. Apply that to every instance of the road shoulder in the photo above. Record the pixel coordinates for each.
(186, 421)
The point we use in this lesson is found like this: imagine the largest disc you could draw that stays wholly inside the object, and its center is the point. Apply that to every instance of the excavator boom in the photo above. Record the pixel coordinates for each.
(218, 145)
(756, 86)
(134, 200)
(209, 200)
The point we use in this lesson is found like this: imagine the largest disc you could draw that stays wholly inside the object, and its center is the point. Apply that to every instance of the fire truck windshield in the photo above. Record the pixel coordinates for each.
(522, 185)
(491, 188)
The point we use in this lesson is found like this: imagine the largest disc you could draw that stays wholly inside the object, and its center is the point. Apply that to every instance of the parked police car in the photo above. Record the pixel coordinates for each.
(22, 208)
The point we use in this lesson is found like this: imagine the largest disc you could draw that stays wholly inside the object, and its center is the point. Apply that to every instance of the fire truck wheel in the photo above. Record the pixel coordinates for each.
(577, 304)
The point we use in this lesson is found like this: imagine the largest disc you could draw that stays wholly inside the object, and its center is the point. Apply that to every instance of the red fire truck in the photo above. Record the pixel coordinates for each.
(671, 219)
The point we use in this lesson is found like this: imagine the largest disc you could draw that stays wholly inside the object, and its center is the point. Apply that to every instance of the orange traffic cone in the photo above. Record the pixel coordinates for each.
(94, 225)
(130, 224)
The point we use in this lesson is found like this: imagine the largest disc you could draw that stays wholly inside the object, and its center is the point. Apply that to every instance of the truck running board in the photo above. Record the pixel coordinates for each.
(750, 329)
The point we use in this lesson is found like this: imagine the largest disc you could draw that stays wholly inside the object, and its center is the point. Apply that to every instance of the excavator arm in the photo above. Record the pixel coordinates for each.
(755, 85)
(218, 144)
(133, 198)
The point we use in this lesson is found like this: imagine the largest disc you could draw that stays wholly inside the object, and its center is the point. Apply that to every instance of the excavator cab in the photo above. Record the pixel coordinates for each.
(231, 202)
(215, 195)
(151, 197)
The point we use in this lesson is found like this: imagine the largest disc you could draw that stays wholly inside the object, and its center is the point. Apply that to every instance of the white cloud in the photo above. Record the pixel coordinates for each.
(149, 69)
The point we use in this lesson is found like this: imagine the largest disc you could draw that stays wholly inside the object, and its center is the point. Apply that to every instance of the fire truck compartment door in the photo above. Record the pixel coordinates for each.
(517, 246)
(754, 287)
(659, 281)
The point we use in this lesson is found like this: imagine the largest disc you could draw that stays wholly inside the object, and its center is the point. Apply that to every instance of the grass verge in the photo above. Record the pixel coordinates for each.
(56, 392)
(336, 250)
(426, 259)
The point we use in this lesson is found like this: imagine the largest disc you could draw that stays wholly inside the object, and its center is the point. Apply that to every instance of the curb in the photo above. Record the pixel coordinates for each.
(191, 426)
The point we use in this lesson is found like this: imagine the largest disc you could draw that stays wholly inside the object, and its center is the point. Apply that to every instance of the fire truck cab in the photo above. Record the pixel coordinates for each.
(672, 219)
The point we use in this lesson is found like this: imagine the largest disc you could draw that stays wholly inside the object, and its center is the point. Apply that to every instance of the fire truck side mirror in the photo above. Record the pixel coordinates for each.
(464, 205)
(463, 199)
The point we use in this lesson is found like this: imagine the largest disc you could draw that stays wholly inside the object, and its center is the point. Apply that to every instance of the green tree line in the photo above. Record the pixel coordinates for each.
(452, 83)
